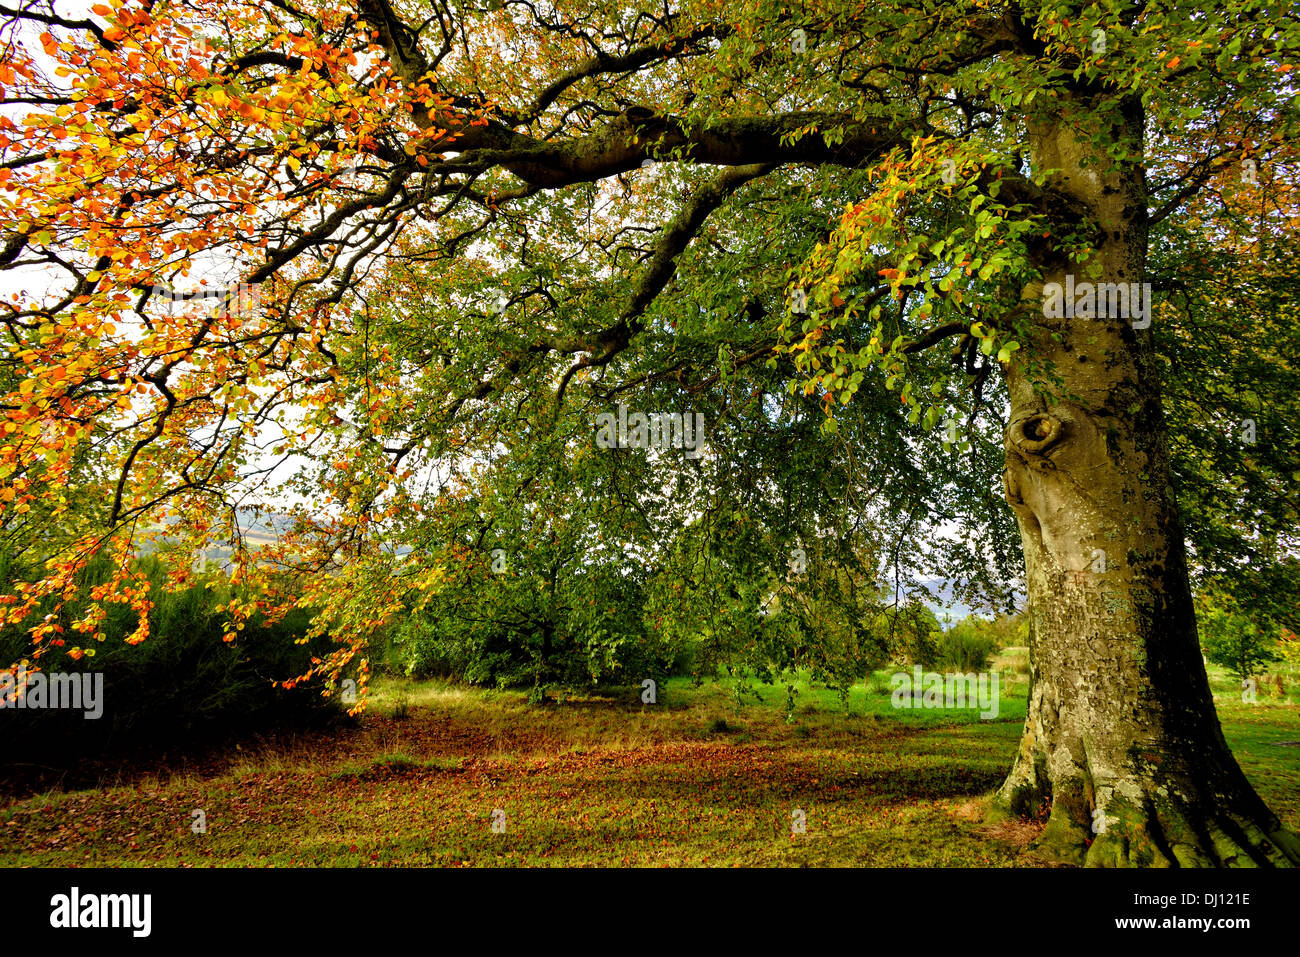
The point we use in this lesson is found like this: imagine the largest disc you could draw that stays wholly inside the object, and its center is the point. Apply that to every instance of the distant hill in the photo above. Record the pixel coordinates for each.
(945, 605)
(257, 530)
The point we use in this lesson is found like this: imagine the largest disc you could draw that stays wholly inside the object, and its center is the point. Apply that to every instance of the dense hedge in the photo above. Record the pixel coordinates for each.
(181, 685)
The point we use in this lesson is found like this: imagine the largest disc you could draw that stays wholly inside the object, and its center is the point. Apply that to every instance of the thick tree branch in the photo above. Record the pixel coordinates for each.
(676, 237)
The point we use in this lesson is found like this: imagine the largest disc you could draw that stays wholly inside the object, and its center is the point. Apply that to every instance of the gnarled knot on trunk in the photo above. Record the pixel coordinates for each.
(1037, 433)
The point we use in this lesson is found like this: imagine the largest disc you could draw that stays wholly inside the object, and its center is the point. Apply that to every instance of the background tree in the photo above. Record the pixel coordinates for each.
(1239, 642)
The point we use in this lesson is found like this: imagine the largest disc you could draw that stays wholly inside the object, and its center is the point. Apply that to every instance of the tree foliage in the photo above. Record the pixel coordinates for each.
(471, 229)
(1237, 640)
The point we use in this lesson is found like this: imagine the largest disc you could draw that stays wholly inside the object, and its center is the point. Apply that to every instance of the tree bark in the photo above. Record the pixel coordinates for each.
(1121, 740)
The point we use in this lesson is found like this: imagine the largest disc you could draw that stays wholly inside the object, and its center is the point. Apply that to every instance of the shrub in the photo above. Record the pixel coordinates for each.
(182, 684)
(402, 708)
(965, 647)
(879, 684)
(509, 632)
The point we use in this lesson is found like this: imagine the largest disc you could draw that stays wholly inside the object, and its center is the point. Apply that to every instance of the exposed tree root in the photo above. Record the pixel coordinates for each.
(1161, 830)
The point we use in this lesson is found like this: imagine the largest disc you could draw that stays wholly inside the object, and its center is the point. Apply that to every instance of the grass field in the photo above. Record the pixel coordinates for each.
(699, 778)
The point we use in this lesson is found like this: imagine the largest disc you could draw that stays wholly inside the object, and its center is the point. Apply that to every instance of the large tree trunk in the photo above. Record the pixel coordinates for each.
(1121, 739)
